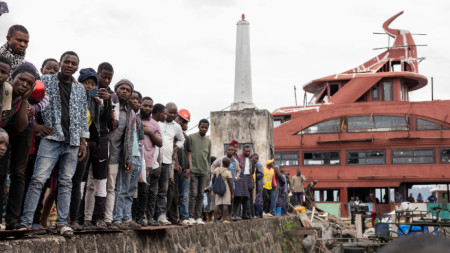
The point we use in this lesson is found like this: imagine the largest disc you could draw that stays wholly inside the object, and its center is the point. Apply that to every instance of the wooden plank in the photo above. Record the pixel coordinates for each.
(305, 220)
(358, 222)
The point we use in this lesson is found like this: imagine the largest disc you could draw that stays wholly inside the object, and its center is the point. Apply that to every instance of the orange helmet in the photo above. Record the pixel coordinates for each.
(183, 113)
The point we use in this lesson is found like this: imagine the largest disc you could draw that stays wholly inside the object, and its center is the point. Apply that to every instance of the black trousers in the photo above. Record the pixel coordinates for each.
(172, 201)
(77, 178)
(100, 167)
(20, 143)
(142, 200)
(267, 198)
(237, 202)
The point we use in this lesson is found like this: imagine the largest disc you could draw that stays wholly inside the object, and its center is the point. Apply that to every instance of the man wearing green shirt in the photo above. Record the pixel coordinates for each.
(201, 159)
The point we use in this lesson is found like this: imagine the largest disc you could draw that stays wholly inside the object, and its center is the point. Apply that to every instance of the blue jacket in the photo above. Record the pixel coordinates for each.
(78, 127)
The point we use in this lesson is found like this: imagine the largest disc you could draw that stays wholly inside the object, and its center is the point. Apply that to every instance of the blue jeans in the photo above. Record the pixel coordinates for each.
(273, 201)
(183, 190)
(126, 186)
(49, 153)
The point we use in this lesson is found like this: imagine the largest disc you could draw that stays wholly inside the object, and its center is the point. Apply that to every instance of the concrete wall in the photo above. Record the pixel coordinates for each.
(260, 235)
(246, 126)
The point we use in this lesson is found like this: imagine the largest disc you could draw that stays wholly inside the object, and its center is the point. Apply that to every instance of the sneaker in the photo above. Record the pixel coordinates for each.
(199, 221)
(99, 225)
(87, 225)
(162, 220)
(134, 225)
(269, 215)
(141, 222)
(185, 223)
(16, 226)
(152, 222)
(192, 221)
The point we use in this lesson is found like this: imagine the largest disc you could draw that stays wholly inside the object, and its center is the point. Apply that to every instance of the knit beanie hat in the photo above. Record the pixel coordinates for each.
(24, 68)
(124, 81)
(86, 74)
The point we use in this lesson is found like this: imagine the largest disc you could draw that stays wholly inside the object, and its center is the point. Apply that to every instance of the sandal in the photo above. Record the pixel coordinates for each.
(66, 231)
(100, 225)
(76, 227)
(112, 226)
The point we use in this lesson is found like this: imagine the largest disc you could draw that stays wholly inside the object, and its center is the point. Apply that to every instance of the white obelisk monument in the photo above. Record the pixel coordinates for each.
(243, 122)
(243, 71)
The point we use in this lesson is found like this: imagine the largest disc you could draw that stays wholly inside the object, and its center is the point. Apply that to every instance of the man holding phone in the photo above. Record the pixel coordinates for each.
(95, 200)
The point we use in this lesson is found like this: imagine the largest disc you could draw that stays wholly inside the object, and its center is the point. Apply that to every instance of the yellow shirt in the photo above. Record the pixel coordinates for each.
(89, 117)
(268, 177)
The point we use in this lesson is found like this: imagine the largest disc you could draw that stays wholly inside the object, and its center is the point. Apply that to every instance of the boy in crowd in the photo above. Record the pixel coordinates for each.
(173, 139)
(16, 45)
(201, 161)
(121, 144)
(258, 175)
(225, 200)
(268, 188)
(96, 192)
(67, 114)
(150, 116)
(183, 163)
(15, 121)
(127, 180)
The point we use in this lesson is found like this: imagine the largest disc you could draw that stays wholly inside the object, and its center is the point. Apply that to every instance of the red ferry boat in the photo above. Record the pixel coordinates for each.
(360, 134)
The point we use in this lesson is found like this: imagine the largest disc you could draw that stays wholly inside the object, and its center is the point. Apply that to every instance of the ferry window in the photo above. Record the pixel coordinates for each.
(387, 91)
(375, 92)
(324, 127)
(277, 122)
(402, 91)
(286, 159)
(423, 124)
(445, 155)
(321, 158)
(405, 156)
(390, 123)
(426, 125)
(314, 98)
(359, 124)
(365, 157)
(333, 89)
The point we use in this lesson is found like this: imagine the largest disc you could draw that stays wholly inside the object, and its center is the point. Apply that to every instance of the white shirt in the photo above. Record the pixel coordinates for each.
(247, 166)
(170, 132)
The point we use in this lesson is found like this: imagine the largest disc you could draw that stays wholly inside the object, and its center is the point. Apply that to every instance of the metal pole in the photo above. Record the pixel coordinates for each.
(432, 90)
(295, 94)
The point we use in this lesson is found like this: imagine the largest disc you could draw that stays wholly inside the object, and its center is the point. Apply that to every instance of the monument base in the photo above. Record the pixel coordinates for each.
(241, 106)
(249, 127)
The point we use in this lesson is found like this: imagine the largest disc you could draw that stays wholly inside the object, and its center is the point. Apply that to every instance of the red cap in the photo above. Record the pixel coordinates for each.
(183, 113)
(234, 142)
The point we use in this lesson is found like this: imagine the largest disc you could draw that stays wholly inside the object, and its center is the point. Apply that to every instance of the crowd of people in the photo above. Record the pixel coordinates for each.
(109, 157)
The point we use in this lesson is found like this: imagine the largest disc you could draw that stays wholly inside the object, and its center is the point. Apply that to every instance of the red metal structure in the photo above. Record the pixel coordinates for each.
(360, 134)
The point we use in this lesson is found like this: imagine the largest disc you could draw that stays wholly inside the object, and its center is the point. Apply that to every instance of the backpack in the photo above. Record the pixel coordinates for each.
(219, 186)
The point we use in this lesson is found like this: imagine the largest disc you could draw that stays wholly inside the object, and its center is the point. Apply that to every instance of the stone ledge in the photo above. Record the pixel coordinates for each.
(258, 235)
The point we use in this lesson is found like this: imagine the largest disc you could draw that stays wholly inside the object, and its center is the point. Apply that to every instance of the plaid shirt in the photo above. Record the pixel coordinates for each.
(78, 127)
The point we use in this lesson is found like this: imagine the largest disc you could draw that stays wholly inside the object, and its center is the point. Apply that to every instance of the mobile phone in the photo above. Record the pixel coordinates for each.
(4, 8)
(93, 92)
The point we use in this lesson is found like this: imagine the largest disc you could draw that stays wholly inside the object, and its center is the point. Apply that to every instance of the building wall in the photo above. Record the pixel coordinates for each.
(246, 126)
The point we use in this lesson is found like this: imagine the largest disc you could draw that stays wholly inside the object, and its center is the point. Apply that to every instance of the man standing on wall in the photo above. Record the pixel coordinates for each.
(298, 188)
(201, 159)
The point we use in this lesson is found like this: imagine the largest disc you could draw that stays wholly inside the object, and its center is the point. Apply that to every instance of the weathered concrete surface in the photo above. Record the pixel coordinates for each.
(248, 126)
(259, 235)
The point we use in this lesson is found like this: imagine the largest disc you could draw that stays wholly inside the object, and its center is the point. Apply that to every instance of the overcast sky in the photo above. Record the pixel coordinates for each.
(184, 50)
